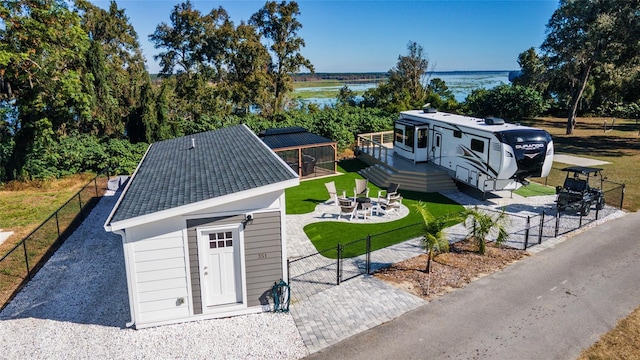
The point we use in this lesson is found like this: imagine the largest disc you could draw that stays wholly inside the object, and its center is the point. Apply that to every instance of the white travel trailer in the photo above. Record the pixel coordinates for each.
(487, 154)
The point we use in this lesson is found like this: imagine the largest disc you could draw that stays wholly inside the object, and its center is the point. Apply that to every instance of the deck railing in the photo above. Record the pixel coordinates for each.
(376, 145)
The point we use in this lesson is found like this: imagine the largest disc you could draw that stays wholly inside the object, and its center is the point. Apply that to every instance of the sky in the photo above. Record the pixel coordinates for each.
(368, 36)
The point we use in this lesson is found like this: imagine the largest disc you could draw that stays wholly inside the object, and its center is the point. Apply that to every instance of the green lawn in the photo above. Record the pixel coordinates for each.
(534, 189)
(326, 235)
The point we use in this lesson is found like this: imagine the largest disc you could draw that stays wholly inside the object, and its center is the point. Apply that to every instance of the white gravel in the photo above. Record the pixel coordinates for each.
(77, 305)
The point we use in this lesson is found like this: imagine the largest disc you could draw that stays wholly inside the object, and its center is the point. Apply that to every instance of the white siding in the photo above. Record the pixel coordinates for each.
(160, 272)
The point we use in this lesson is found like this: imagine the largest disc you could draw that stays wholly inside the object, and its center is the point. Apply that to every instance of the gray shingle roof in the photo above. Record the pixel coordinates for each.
(223, 162)
(279, 138)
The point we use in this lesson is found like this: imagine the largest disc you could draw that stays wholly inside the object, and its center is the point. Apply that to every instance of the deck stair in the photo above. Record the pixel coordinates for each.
(432, 180)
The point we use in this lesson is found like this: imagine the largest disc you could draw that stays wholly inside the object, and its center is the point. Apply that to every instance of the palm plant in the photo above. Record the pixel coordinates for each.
(482, 223)
(434, 238)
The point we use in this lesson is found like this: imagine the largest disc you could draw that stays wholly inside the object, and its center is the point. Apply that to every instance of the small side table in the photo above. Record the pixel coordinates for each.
(365, 208)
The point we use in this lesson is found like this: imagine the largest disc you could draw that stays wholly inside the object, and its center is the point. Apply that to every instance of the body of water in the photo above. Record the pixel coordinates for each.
(461, 83)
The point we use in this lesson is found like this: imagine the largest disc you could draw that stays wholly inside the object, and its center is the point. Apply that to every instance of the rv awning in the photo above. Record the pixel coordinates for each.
(411, 122)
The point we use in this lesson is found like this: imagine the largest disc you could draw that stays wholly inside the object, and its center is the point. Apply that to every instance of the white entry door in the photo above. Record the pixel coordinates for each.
(220, 275)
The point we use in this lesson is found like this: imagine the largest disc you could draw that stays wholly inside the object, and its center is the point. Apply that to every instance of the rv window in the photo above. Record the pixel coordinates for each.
(422, 138)
(399, 135)
(408, 140)
(477, 145)
(457, 133)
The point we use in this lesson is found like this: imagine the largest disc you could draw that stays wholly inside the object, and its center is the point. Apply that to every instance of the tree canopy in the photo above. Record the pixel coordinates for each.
(583, 35)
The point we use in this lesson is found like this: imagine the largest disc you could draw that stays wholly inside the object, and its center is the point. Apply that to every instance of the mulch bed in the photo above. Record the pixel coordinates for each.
(450, 270)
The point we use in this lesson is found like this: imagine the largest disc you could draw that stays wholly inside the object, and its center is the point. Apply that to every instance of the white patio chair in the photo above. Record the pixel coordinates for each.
(347, 208)
(333, 193)
(391, 195)
(361, 189)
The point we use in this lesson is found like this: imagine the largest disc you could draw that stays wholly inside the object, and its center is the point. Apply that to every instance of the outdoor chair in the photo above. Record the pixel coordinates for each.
(391, 195)
(333, 193)
(361, 189)
(347, 208)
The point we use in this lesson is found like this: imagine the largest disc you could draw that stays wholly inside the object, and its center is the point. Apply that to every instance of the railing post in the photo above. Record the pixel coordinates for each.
(541, 228)
(26, 258)
(557, 224)
(339, 252)
(368, 252)
(526, 232)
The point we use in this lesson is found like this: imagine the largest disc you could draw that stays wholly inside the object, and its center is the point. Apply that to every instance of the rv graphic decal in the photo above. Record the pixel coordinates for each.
(475, 160)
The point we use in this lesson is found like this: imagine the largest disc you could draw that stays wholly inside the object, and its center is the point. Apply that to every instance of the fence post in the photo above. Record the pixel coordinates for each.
(557, 224)
(526, 232)
(622, 196)
(289, 272)
(541, 228)
(368, 252)
(26, 258)
(58, 223)
(80, 202)
(580, 219)
(339, 252)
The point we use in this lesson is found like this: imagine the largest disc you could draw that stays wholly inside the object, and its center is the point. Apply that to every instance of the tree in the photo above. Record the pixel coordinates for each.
(346, 97)
(512, 102)
(434, 238)
(196, 49)
(481, 223)
(409, 72)
(248, 77)
(42, 59)
(533, 71)
(404, 89)
(182, 41)
(278, 24)
(584, 34)
(440, 96)
(117, 65)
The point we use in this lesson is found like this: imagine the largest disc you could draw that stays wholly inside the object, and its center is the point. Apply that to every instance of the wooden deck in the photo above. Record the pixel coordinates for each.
(387, 167)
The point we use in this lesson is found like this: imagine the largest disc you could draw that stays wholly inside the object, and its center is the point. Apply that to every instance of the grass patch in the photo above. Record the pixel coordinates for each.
(622, 342)
(534, 189)
(319, 83)
(619, 147)
(25, 206)
(326, 235)
(303, 198)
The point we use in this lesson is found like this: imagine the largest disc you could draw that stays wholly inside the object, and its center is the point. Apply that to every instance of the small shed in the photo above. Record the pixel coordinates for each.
(308, 154)
(202, 222)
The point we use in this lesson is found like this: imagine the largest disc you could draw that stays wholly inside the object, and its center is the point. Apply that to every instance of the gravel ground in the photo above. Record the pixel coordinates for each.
(77, 305)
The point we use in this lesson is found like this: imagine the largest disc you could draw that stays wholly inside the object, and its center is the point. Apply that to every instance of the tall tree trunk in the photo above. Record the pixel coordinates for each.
(577, 95)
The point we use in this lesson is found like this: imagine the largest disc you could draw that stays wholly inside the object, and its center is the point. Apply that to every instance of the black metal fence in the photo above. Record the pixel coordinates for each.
(23, 260)
(322, 270)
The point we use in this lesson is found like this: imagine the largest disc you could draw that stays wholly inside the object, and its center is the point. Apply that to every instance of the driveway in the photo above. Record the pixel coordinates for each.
(548, 306)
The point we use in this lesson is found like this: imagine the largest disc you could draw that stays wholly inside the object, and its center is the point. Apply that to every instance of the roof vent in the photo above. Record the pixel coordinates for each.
(494, 121)
(193, 144)
(427, 109)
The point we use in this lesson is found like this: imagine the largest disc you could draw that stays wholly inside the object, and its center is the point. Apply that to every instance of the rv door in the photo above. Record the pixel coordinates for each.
(436, 148)
(422, 148)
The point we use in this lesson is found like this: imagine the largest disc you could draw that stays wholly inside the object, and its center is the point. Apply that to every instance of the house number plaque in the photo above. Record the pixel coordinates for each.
(262, 255)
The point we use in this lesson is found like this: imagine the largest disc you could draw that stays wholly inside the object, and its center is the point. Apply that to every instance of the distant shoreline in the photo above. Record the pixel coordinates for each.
(373, 76)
